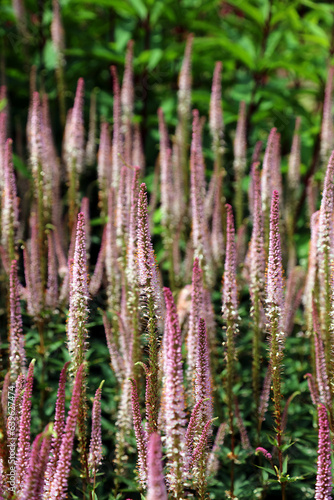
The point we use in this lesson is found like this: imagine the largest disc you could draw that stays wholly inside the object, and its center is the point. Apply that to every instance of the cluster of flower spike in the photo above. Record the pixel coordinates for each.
(170, 333)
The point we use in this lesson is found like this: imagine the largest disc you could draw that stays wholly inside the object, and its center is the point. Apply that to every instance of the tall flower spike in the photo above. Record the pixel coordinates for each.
(16, 338)
(117, 147)
(122, 216)
(203, 379)
(111, 261)
(326, 138)
(58, 431)
(184, 92)
(149, 281)
(78, 312)
(323, 487)
(138, 157)
(275, 269)
(257, 278)
(74, 151)
(217, 236)
(265, 395)
(95, 447)
(147, 268)
(166, 174)
(38, 460)
(156, 487)
(230, 300)
(127, 93)
(320, 364)
(23, 446)
(104, 167)
(58, 487)
(266, 178)
(3, 138)
(216, 112)
(294, 159)
(174, 399)
(96, 279)
(311, 273)
(324, 257)
(239, 163)
(9, 212)
(312, 388)
(52, 169)
(196, 311)
(183, 111)
(230, 314)
(274, 313)
(199, 223)
(90, 152)
(52, 285)
(141, 437)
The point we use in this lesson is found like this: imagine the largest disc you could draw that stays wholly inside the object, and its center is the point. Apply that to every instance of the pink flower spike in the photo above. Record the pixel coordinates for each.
(326, 138)
(52, 286)
(117, 146)
(58, 431)
(264, 452)
(275, 270)
(156, 488)
(35, 474)
(174, 398)
(147, 267)
(294, 158)
(9, 215)
(202, 444)
(23, 446)
(76, 144)
(312, 388)
(78, 312)
(96, 280)
(320, 363)
(203, 379)
(200, 234)
(127, 93)
(16, 338)
(104, 167)
(184, 92)
(141, 437)
(58, 486)
(240, 144)
(230, 300)
(323, 487)
(95, 447)
(267, 169)
(196, 311)
(216, 113)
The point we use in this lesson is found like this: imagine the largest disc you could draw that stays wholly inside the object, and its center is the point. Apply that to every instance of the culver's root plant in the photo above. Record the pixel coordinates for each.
(213, 377)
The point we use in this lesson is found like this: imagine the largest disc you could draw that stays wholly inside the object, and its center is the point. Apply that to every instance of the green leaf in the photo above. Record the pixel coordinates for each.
(139, 7)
